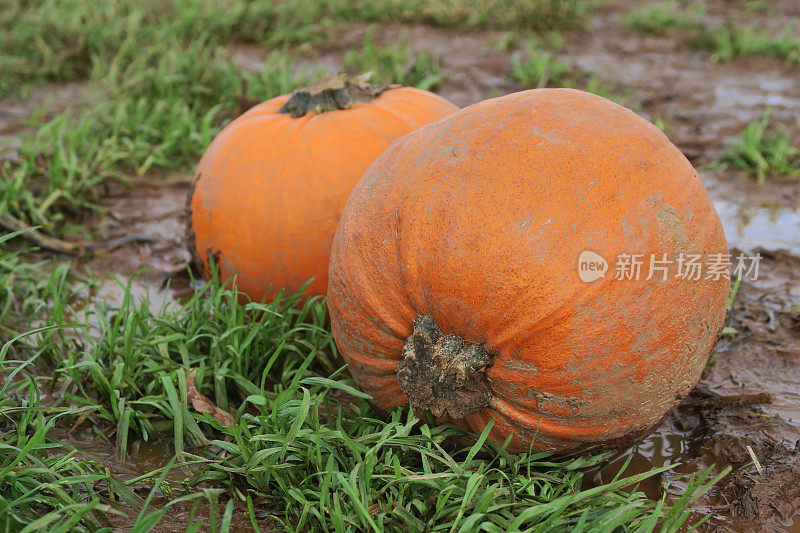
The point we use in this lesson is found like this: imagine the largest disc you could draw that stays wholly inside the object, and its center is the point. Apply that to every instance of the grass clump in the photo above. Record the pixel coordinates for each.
(134, 365)
(393, 64)
(540, 69)
(46, 485)
(527, 14)
(21, 287)
(763, 152)
(662, 18)
(731, 41)
(42, 484)
(323, 466)
(57, 40)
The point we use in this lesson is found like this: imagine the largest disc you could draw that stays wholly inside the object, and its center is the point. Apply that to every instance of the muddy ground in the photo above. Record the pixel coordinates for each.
(704, 105)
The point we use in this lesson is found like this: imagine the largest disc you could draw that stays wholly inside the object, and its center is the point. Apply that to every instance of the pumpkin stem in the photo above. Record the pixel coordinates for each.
(332, 93)
(443, 373)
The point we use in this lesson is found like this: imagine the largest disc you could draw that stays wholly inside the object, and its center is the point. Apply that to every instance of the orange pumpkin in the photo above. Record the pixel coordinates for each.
(269, 190)
(455, 283)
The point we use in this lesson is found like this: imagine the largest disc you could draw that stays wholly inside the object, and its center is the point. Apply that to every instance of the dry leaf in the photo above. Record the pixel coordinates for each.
(202, 404)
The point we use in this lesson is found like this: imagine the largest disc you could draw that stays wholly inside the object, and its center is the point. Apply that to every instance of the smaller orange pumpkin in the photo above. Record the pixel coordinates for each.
(270, 189)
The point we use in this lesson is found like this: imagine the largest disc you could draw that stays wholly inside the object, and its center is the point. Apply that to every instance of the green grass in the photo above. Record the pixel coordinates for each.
(306, 449)
(662, 18)
(45, 485)
(763, 152)
(393, 64)
(541, 68)
(54, 40)
(730, 41)
(42, 484)
(526, 14)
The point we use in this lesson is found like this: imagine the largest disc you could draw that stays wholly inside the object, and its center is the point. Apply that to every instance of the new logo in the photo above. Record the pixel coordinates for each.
(591, 266)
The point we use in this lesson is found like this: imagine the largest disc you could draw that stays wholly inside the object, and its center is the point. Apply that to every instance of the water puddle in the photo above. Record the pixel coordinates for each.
(749, 227)
(48, 100)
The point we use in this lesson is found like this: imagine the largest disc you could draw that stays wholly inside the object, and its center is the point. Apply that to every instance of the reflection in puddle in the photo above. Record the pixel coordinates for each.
(731, 92)
(751, 227)
(112, 292)
(667, 445)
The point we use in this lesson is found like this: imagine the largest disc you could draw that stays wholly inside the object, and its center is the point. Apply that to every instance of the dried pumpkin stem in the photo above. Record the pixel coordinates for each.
(443, 373)
(331, 93)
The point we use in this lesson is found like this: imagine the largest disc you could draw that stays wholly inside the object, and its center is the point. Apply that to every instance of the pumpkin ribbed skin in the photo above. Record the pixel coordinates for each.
(478, 220)
(270, 188)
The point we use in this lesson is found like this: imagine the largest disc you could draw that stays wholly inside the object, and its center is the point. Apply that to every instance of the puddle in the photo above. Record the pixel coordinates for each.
(144, 458)
(667, 445)
(152, 209)
(15, 114)
(771, 92)
(156, 266)
(152, 289)
(748, 227)
(181, 515)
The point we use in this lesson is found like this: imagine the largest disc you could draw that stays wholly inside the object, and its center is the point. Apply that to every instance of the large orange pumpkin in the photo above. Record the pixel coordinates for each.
(454, 279)
(269, 190)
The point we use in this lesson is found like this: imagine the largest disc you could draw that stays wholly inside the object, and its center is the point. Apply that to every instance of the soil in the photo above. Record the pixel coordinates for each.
(144, 458)
(705, 105)
(41, 104)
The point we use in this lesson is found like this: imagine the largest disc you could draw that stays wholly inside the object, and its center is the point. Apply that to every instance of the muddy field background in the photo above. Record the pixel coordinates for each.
(703, 106)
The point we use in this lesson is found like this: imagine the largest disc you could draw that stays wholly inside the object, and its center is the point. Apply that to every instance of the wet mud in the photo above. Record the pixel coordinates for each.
(144, 458)
(17, 117)
(760, 354)
(704, 106)
(157, 263)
